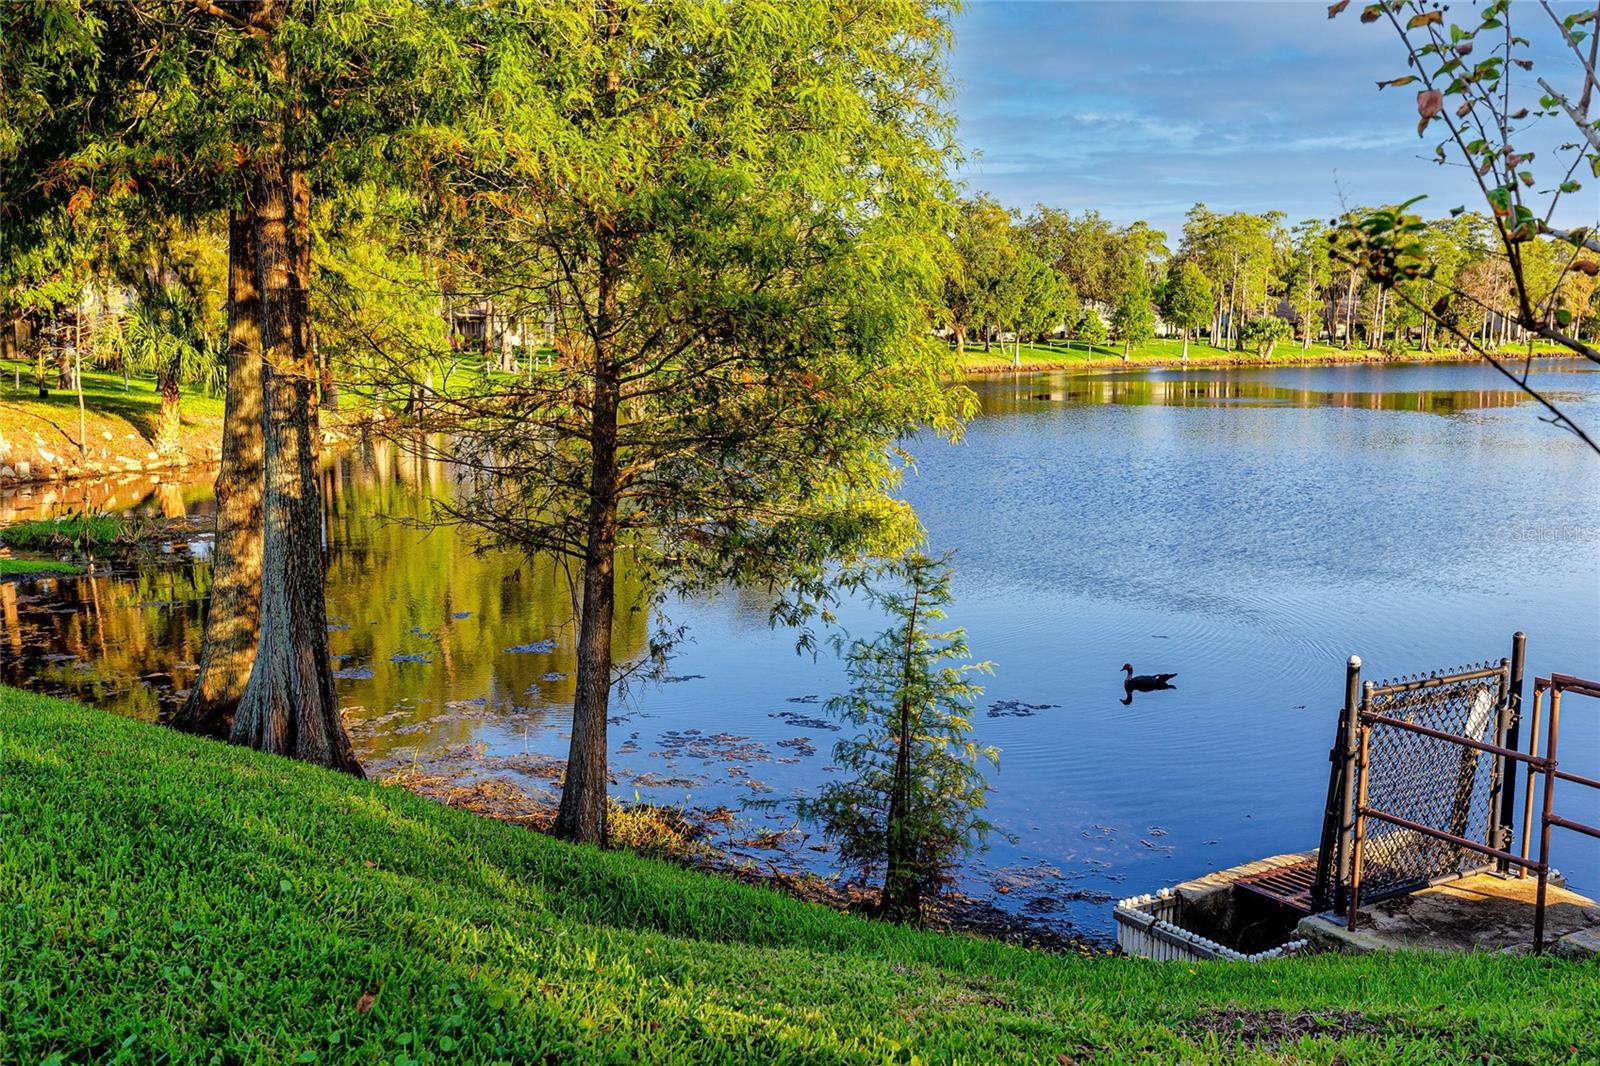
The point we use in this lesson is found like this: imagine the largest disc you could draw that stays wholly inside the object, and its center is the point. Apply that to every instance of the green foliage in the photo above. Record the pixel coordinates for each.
(23, 567)
(171, 899)
(1091, 328)
(1264, 333)
(908, 805)
(1186, 298)
(763, 273)
(1043, 301)
(984, 286)
(79, 532)
(1132, 320)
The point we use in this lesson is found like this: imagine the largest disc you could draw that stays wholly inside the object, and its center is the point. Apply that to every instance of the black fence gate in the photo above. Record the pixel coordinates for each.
(1437, 794)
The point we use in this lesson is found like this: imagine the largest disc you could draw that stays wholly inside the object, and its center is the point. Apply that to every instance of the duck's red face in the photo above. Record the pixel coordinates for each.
(1127, 666)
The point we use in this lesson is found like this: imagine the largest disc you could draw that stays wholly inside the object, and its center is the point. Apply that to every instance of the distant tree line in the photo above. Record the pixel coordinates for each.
(1050, 272)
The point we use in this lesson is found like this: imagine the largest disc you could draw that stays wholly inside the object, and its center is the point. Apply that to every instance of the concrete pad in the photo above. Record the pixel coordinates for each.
(1481, 912)
(1584, 944)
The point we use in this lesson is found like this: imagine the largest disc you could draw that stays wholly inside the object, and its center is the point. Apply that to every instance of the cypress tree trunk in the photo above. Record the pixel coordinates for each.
(233, 614)
(582, 814)
(289, 705)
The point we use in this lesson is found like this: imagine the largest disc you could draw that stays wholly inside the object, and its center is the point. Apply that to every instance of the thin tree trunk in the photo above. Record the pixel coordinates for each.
(582, 814)
(233, 613)
(1349, 310)
(289, 706)
(1186, 345)
(901, 885)
(77, 374)
(1233, 294)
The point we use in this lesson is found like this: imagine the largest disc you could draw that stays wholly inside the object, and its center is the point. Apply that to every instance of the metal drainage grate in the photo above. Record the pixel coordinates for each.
(1288, 885)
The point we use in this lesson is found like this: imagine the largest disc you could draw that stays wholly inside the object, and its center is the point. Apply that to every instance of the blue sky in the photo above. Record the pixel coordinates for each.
(1140, 108)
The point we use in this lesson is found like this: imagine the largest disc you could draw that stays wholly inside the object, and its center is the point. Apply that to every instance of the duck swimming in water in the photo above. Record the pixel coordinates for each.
(1142, 683)
(1145, 682)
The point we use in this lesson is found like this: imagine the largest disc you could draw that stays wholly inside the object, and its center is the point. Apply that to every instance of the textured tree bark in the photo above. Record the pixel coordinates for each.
(289, 706)
(582, 814)
(233, 614)
(169, 421)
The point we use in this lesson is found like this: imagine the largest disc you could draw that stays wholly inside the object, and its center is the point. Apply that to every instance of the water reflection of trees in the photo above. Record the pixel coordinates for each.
(1036, 392)
(395, 587)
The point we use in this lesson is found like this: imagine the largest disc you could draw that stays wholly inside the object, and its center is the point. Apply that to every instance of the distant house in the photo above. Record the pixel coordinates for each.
(478, 324)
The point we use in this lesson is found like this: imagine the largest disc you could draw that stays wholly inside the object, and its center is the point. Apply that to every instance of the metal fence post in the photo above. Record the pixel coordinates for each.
(1544, 822)
(1358, 833)
(1323, 888)
(1351, 734)
(1509, 739)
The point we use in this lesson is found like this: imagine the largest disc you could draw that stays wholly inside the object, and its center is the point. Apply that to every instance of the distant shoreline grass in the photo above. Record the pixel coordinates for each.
(1168, 354)
(22, 567)
(83, 532)
(172, 899)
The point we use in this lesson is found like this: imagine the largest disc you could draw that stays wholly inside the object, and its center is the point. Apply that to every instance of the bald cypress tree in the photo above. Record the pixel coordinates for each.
(735, 214)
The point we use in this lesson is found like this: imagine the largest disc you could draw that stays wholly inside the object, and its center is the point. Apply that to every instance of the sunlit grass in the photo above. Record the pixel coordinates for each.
(164, 898)
(85, 531)
(13, 567)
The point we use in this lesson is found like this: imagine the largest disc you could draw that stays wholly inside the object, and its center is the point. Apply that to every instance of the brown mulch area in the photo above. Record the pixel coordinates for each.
(1273, 1029)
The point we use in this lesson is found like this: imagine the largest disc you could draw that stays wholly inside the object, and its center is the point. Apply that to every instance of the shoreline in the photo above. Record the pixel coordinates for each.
(1240, 360)
(27, 462)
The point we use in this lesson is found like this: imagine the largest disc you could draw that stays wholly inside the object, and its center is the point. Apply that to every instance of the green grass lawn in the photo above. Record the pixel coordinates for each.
(107, 409)
(13, 567)
(168, 899)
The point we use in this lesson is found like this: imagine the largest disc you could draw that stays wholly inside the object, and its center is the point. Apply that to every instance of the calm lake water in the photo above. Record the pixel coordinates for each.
(1247, 529)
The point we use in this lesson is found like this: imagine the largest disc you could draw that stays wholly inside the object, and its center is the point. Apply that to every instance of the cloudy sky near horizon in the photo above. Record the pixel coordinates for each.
(1140, 108)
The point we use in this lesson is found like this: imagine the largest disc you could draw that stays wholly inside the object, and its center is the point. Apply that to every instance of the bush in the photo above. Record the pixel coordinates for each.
(1263, 334)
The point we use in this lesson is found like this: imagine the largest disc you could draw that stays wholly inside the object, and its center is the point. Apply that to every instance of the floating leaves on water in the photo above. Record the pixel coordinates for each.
(420, 657)
(418, 631)
(724, 747)
(804, 699)
(338, 627)
(461, 614)
(354, 673)
(799, 745)
(676, 678)
(1017, 709)
(538, 647)
(552, 675)
(654, 780)
(802, 721)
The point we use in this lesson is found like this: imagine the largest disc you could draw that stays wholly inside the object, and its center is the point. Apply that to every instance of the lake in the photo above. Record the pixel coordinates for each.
(1246, 529)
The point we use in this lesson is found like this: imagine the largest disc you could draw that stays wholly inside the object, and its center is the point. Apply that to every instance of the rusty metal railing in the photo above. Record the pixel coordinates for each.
(1555, 684)
(1366, 720)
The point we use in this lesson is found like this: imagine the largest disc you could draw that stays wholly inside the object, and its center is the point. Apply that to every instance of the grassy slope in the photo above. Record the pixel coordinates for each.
(107, 409)
(1073, 354)
(163, 898)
